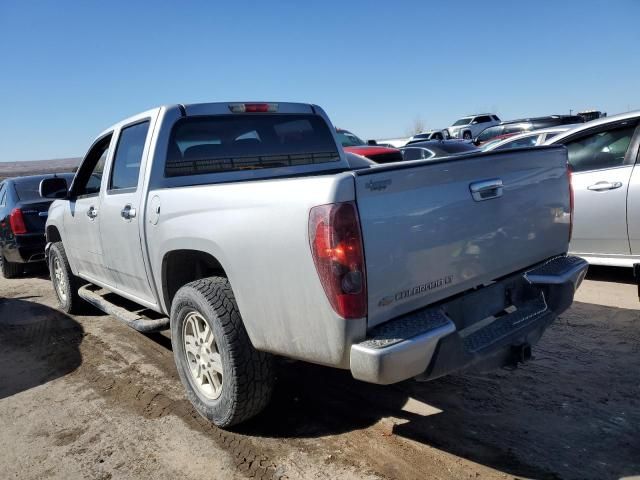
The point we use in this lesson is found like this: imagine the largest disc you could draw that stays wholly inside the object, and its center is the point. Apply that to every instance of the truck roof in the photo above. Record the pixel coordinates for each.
(217, 108)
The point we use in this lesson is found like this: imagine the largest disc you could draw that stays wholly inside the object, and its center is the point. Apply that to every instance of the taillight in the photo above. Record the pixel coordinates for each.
(16, 221)
(253, 107)
(570, 175)
(336, 245)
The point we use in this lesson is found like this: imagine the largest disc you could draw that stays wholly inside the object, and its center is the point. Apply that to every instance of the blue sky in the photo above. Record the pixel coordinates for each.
(70, 69)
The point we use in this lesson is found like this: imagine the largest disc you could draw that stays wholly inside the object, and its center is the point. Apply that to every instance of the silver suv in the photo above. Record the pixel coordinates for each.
(469, 127)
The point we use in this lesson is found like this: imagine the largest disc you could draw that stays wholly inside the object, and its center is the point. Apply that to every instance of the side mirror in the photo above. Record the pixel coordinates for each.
(475, 122)
(372, 142)
(54, 187)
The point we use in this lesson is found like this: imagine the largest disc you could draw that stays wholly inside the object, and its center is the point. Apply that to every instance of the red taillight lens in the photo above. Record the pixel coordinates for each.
(570, 175)
(253, 107)
(16, 221)
(336, 245)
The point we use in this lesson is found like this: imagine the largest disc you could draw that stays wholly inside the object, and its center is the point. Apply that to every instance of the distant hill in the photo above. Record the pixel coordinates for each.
(35, 167)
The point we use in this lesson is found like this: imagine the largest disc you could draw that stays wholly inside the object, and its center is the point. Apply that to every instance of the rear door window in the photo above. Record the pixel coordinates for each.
(223, 143)
(600, 150)
(128, 156)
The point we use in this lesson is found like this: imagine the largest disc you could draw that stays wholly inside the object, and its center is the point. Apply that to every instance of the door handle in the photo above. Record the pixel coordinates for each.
(92, 212)
(602, 186)
(128, 212)
(486, 189)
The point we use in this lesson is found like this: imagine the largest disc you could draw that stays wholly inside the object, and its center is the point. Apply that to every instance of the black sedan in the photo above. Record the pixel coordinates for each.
(436, 149)
(23, 214)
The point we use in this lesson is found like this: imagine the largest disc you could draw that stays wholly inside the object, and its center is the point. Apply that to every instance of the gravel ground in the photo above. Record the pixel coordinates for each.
(87, 397)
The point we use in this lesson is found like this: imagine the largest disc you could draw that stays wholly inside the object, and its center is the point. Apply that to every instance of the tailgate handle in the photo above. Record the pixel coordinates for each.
(486, 189)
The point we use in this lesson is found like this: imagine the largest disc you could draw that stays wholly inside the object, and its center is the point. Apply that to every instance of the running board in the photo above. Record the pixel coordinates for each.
(133, 316)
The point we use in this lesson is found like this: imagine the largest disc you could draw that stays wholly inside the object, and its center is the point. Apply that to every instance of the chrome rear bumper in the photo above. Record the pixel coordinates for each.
(433, 341)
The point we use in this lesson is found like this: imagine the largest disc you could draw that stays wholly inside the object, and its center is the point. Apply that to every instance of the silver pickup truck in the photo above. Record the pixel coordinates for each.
(244, 229)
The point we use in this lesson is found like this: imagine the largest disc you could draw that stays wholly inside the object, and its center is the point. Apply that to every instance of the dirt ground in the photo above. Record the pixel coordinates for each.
(87, 397)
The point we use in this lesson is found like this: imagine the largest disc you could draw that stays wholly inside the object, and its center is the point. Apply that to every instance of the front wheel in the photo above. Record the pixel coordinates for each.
(65, 283)
(466, 135)
(226, 379)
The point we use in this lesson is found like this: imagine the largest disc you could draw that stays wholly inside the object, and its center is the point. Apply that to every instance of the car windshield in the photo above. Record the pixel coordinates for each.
(462, 121)
(348, 139)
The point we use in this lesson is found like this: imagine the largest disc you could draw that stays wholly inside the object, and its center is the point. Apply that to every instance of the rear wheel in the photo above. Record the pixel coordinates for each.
(227, 380)
(65, 283)
(10, 269)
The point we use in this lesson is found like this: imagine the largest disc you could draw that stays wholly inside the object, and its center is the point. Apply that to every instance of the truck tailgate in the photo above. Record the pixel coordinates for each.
(426, 237)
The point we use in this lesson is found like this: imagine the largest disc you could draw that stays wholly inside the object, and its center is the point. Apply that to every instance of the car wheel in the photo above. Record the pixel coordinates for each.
(10, 269)
(65, 283)
(466, 135)
(226, 379)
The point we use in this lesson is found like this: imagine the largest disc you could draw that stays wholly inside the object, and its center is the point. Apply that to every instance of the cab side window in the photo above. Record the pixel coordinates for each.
(128, 156)
(600, 150)
(89, 176)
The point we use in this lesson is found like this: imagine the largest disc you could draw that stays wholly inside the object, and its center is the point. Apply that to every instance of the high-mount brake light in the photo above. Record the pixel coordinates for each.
(253, 107)
(336, 246)
(16, 221)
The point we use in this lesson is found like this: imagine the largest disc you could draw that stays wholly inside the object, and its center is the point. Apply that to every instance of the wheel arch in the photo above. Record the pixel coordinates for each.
(53, 234)
(183, 266)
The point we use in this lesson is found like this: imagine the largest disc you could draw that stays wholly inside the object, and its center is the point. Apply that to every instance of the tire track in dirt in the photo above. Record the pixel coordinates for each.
(128, 388)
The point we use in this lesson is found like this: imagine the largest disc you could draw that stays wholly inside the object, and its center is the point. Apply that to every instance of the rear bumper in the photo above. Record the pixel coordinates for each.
(25, 248)
(486, 328)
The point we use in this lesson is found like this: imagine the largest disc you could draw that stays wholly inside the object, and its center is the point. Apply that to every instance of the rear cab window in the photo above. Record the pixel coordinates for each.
(224, 143)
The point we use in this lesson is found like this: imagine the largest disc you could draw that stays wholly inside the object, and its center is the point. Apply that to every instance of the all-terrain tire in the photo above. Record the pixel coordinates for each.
(466, 135)
(247, 374)
(10, 269)
(65, 283)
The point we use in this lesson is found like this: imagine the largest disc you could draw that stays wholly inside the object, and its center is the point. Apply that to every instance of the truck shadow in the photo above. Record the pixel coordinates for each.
(539, 421)
(37, 344)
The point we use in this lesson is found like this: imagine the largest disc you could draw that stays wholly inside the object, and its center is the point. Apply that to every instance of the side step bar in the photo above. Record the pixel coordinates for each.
(134, 318)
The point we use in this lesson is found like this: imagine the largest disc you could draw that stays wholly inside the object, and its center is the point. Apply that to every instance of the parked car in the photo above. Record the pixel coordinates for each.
(606, 184)
(436, 149)
(243, 227)
(522, 125)
(352, 143)
(430, 135)
(391, 142)
(528, 139)
(469, 127)
(23, 214)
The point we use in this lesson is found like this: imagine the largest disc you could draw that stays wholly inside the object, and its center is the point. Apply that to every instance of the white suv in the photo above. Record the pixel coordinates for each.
(469, 127)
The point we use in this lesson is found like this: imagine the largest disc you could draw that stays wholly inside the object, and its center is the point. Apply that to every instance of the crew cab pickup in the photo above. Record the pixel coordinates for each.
(243, 229)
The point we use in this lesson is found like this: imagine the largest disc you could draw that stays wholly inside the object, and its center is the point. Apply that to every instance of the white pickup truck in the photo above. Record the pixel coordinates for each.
(244, 229)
